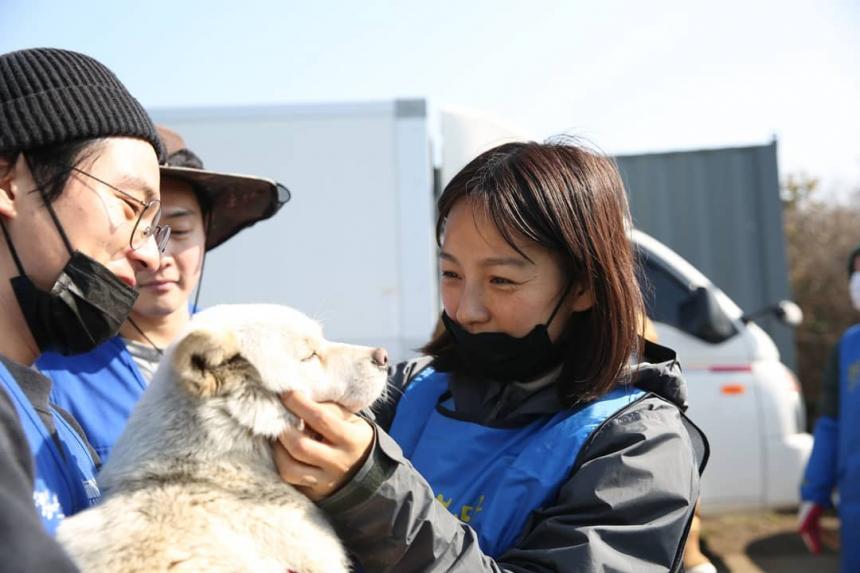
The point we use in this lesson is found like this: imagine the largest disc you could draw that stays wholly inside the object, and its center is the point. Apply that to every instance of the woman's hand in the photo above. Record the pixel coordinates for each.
(327, 453)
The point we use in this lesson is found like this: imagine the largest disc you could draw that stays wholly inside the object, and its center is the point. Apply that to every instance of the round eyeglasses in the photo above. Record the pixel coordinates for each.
(149, 215)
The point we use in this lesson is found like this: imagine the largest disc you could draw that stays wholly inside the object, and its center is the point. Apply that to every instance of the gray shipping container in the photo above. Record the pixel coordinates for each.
(721, 210)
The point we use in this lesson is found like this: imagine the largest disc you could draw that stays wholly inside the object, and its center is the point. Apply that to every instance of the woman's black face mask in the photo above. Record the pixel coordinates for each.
(505, 358)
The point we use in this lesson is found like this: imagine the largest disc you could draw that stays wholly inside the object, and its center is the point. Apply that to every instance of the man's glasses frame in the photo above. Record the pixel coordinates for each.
(161, 233)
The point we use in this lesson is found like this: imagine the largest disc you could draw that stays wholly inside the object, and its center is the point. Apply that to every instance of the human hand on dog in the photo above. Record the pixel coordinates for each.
(326, 454)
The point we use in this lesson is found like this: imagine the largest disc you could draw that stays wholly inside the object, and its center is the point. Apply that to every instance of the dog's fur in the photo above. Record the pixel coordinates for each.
(191, 485)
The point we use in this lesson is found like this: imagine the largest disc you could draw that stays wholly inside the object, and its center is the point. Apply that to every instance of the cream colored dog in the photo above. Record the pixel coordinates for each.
(190, 485)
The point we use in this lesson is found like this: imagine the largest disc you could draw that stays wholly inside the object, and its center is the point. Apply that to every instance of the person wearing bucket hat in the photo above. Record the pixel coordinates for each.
(79, 216)
(835, 460)
(204, 209)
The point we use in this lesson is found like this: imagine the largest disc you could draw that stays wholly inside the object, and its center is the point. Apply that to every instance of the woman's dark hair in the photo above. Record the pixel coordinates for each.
(51, 165)
(570, 200)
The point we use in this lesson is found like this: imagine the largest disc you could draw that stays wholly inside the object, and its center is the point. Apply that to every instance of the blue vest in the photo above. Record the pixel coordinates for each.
(494, 478)
(65, 481)
(99, 388)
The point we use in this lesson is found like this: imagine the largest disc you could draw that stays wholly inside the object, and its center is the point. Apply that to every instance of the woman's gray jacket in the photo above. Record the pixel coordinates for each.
(626, 506)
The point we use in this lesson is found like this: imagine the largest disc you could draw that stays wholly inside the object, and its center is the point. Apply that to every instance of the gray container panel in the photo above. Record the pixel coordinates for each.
(720, 209)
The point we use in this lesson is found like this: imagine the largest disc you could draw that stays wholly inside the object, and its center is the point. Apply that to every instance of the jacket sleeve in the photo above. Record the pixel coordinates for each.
(626, 507)
(24, 544)
(819, 479)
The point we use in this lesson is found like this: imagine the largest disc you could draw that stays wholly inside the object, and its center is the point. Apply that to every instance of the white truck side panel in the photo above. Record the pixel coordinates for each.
(465, 135)
(344, 248)
(418, 287)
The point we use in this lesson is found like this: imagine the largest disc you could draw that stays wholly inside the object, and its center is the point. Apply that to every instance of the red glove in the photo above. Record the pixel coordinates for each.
(809, 525)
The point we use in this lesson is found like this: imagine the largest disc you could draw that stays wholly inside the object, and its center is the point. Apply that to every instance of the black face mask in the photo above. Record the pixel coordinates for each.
(505, 358)
(85, 307)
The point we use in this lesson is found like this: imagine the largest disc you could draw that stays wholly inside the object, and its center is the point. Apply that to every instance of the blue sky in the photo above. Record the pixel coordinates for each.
(629, 75)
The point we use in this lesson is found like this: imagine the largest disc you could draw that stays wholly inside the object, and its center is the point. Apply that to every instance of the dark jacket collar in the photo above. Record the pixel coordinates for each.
(494, 403)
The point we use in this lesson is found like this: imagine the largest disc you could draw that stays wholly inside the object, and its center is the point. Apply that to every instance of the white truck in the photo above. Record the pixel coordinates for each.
(745, 399)
(355, 248)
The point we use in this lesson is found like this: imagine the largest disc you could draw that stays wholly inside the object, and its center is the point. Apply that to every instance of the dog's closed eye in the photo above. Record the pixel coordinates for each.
(311, 356)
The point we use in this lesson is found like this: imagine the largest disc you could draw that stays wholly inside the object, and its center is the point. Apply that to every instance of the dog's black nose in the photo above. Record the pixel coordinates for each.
(379, 357)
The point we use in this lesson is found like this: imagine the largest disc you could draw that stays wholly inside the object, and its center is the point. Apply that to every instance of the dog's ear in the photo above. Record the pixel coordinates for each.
(197, 359)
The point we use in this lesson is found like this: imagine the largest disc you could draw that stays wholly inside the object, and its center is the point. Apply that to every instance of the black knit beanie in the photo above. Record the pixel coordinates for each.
(50, 97)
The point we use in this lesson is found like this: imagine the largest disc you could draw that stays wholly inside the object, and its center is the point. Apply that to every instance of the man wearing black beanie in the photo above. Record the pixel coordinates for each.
(79, 216)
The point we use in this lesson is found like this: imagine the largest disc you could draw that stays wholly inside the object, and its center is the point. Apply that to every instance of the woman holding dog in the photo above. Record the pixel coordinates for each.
(204, 209)
(79, 215)
(540, 431)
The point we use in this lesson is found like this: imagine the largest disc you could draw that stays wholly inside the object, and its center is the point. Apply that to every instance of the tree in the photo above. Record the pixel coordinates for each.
(820, 235)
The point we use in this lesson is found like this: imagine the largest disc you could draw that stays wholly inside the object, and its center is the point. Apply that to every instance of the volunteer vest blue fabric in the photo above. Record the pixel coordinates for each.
(848, 453)
(99, 388)
(493, 478)
(65, 481)
(848, 465)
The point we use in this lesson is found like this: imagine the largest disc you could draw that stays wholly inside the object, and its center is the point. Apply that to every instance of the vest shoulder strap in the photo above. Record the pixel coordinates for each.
(401, 376)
